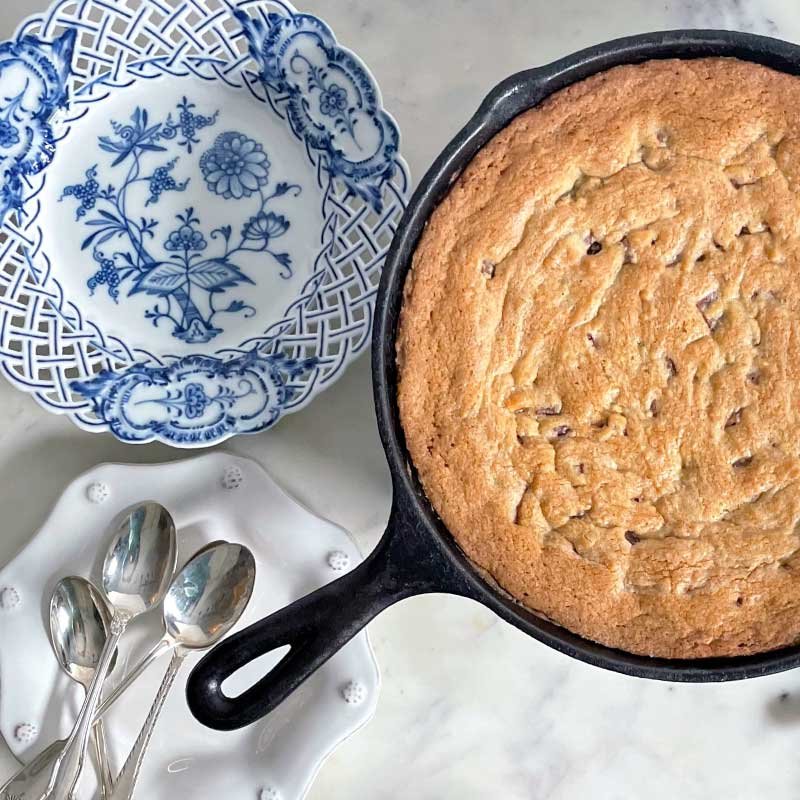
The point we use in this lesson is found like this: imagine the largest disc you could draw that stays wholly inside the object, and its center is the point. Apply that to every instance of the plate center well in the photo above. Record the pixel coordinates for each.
(183, 213)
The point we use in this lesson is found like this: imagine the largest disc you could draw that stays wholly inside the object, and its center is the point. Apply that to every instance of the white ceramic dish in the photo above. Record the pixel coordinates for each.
(197, 199)
(211, 497)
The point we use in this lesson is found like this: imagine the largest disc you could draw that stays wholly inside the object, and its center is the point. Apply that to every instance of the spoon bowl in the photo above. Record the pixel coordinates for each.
(204, 601)
(141, 560)
(138, 567)
(208, 596)
(80, 622)
(79, 626)
(139, 564)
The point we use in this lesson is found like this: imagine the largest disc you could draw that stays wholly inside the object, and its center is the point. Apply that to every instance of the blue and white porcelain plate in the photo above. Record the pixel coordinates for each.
(197, 200)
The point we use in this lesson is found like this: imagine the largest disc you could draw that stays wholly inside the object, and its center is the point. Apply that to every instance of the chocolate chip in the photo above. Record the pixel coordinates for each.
(734, 419)
(488, 268)
(713, 323)
(654, 407)
(746, 461)
(548, 411)
(702, 305)
(628, 257)
(594, 248)
(704, 302)
(581, 469)
(636, 499)
(739, 601)
(592, 340)
(633, 537)
(561, 431)
(671, 368)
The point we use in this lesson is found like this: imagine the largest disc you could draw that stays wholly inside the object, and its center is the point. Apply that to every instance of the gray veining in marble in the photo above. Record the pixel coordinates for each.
(470, 707)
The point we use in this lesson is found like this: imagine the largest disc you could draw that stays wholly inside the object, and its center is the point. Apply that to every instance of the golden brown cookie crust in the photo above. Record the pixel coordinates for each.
(599, 357)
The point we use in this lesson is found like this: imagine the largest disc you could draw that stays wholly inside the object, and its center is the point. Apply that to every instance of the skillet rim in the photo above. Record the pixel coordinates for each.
(512, 96)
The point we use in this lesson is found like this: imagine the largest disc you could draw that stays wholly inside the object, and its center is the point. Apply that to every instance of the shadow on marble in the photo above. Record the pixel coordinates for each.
(784, 709)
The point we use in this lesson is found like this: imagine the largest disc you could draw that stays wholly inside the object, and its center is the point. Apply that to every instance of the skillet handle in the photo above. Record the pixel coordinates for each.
(407, 561)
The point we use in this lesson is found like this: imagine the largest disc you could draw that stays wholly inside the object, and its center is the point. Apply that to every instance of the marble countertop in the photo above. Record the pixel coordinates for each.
(470, 707)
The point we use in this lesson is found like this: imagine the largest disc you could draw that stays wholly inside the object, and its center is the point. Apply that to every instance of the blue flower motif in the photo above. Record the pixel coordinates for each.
(39, 70)
(107, 275)
(132, 137)
(85, 192)
(333, 101)
(185, 239)
(265, 226)
(196, 400)
(9, 135)
(235, 166)
(161, 181)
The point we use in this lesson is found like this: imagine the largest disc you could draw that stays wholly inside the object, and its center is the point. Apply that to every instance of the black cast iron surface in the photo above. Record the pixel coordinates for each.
(417, 554)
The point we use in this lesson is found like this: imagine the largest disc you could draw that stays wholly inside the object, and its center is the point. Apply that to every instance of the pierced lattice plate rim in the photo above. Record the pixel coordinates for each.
(85, 55)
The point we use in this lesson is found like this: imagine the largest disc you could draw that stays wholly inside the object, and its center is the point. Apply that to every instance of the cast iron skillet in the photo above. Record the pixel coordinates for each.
(417, 554)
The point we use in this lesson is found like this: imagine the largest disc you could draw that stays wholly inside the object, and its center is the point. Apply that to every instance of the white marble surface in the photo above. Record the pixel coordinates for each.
(470, 708)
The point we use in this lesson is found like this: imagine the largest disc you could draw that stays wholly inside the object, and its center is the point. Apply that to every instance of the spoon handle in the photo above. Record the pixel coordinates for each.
(104, 775)
(68, 765)
(126, 780)
(23, 784)
(34, 778)
(162, 647)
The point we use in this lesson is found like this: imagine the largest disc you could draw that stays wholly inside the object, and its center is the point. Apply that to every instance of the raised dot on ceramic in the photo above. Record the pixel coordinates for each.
(9, 598)
(354, 693)
(25, 732)
(232, 478)
(338, 560)
(269, 793)
(97, 492)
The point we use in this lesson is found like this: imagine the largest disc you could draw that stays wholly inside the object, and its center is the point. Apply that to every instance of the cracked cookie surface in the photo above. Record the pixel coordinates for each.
(599, 355)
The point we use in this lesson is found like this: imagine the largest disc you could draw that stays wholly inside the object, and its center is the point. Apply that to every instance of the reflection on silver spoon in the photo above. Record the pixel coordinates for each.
(204, 601)
(79, 626)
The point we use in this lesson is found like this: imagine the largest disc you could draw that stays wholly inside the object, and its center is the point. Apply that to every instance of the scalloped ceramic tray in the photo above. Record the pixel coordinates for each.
(211, 497)
(197, 197)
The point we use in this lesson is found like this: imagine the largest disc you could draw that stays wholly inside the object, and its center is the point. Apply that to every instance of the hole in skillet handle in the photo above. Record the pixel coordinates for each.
(406, 562)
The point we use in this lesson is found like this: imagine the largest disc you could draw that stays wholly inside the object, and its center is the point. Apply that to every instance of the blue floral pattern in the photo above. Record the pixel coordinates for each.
(9, 134)
(188, 124)
(151, 247)
(334, 105)
(33, 77)
(197, 399)
(333, 100)
(236, 166)
(187, 281)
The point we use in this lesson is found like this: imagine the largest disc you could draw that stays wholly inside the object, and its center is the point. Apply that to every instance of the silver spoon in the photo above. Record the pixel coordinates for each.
(79, 623)
(166, 644)
(206, 599)
(138, 567)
